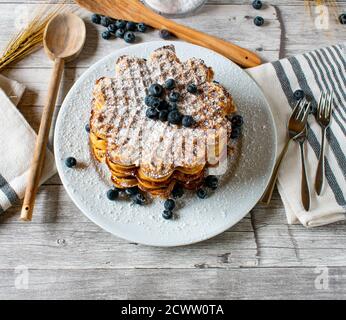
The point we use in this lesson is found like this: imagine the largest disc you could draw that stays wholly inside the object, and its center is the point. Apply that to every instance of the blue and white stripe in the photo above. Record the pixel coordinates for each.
(315, 72)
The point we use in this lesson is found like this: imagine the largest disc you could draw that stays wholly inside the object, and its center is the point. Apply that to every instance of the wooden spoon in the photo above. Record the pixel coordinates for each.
(134, 10)
(64, 39)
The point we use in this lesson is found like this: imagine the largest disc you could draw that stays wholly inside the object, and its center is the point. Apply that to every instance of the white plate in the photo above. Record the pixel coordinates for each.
(197, 219)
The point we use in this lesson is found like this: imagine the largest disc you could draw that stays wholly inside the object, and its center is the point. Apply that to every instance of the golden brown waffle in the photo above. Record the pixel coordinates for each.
(152, 154)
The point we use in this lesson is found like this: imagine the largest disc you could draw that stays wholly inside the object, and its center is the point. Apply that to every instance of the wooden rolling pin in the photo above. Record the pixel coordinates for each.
(133, 10)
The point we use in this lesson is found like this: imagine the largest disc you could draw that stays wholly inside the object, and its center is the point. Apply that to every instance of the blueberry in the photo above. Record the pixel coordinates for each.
(192, 88)
(129, 37)
(142, 27)
(165, 34)
(70, 162)
(201, 193)
(188, 121)
(148, 101)
(258, 21)
(163, 115)
(342, 18)
(313, 109)
(96, 18)
(156, 103)
(87, 127)
(212, 182)
(174, 96)
(105, 21)
(131, 26)
(257, 4)
(106, 35)
(177, 192)
(170, 84)
(132, 191)
(298, 94)
(216, 82)
(139, 199)
(174, 117)
(235, 133)
(172, 106)
(113, 194)
(120, 33)
(156, 90)
(169, 204)
(120, 24)
(168, 215)
(112, 28)
(163, 105)
(152, 113)
(237, 121)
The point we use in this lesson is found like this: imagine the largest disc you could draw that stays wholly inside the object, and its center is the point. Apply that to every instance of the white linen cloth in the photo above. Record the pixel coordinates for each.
(17, 143)
(313, 72)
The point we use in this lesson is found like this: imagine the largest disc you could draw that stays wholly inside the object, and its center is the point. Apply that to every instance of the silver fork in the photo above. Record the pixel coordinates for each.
(296, 125)
(305, 190)
(323, 117)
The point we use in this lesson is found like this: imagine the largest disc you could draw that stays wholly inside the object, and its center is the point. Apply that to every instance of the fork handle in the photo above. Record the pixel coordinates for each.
(320, 168)
(267, 196)
(305, 191)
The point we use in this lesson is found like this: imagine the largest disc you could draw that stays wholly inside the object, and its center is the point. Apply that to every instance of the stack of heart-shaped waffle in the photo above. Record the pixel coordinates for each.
(152, 154)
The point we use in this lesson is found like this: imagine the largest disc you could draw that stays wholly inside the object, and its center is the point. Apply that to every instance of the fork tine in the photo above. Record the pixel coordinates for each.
(296, 109)
(306, 113)
(322, 104)
(297, 113)
(330, 105)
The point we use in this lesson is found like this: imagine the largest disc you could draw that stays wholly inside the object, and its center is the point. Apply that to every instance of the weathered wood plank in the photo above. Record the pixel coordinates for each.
(282, 283)
(67, 239)
(232, 23)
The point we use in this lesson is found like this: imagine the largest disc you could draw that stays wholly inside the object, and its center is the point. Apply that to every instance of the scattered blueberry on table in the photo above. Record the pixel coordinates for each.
(87, 127)
(342, 18)
(113, 194)
(141, 27)
(70, 162)
(258, 21)
(105, 21)
(96, 18)
(165, 34)
(119, 28)
(106, 35)
(167, 214)
(202, 193)
(120, 33)
(212, 182)
(257, 4)
(129, 37)
(298, 94)
(120, 24)
(112, 28)
(169, 204)
(131, 26)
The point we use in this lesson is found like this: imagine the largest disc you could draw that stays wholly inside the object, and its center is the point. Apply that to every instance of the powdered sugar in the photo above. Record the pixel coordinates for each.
(176, 7)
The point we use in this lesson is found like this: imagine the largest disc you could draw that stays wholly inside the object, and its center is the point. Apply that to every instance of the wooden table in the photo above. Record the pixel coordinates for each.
(67, 256)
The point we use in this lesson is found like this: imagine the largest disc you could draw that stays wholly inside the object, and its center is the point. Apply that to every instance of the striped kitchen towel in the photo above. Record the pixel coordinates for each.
(17, 142)
(313, 72)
